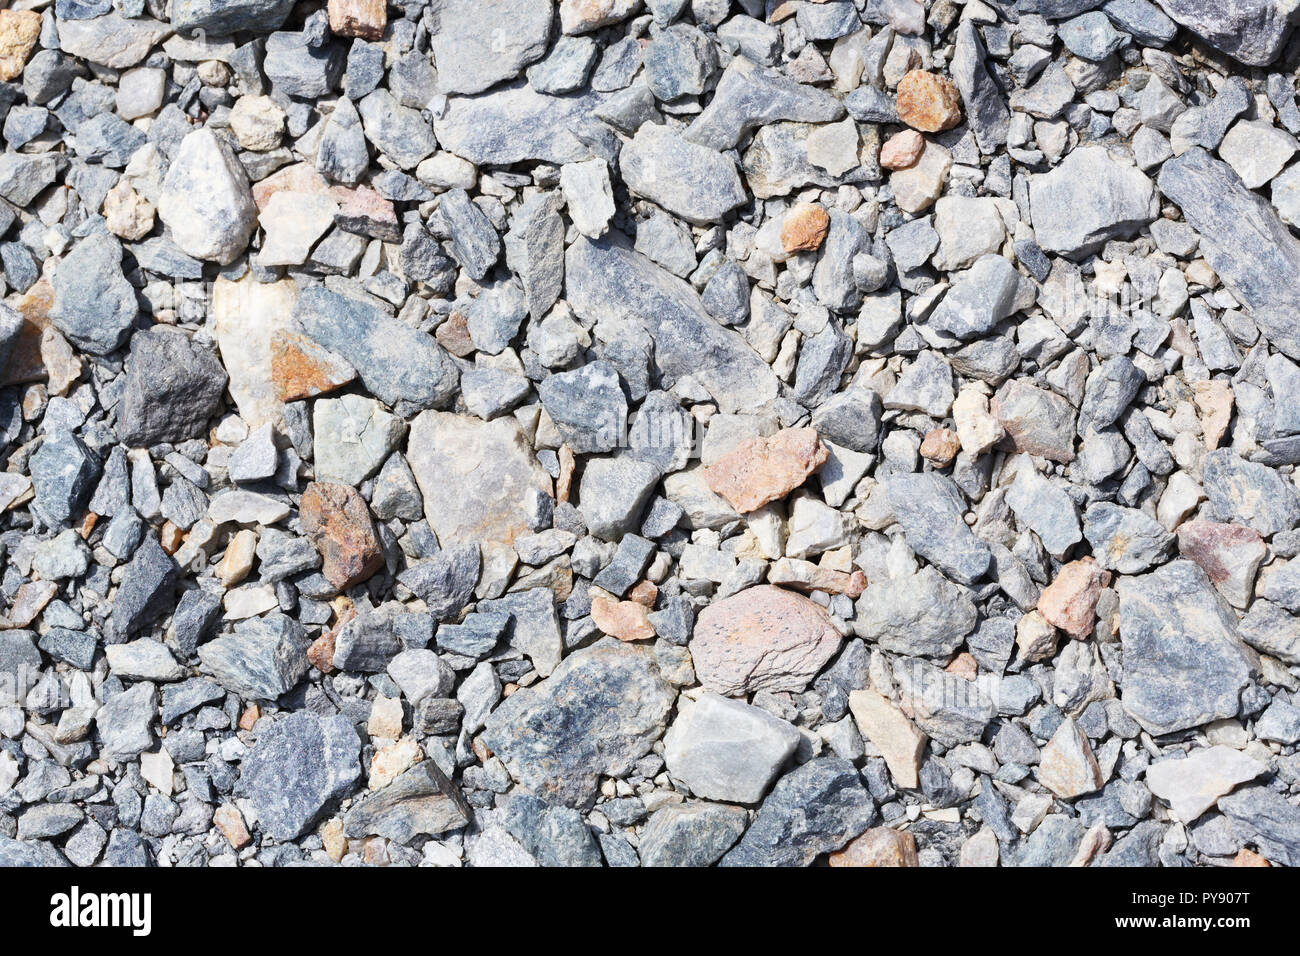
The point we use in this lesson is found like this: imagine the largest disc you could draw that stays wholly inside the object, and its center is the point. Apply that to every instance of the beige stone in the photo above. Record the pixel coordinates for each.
(902, 150)
(899, 740)
(917, 187)
(385, 718)
(1194, 784)
(761, 469)
(1066, 765)
(257, 122)
(1214, 402)
(626, 620)
(1070, 601)
(237, 562)
(19, 30)
(127, 213)
(230, 822)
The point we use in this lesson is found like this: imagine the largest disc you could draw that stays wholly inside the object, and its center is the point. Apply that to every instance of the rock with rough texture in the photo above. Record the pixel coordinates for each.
(815, 809)
(299, 764)
(205, 201)
(764, 638)
(928, 102)
(879, 846)
(899, 740)
(474, 52)
(1251, 31)
(395, 361)
(727, 750)
(765, 469)
(1183, 662)
(1248, 492)
(1268, 820)
(606, 281)
(1229, 553)
(558, 737)
(263, 658)
(94, 305)
(693, 833)
(1067, 765)
(1070, 601)
(173, 386)
(694, 182)
(748, 96)
(930, 508)
(338, 522)
(924, 613)
(1089, 198)
(419, 802)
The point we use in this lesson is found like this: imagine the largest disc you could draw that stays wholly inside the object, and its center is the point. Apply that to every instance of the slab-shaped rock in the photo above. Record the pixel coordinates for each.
(596, 715)
(421, 801)
(474, 49)
(1229, 553)
(1195, 783)
(1242, 239)
(1267, 819)
(1089, 198)
(764, 469)
(261, 660)
(448, 454)
(246, 316)
(1251, 31)
(1183, 662)
(1125, 539)
(1249, 493)
(395, 361)
(694, 182)
(94, 305)
(763, 638)
(297, 766)
(897, 738)
(812, 810)
(694, 833)
(727, 750)
(224, 17)
(515, 124)
(749, 96)
(1039, 422)
(608, 282)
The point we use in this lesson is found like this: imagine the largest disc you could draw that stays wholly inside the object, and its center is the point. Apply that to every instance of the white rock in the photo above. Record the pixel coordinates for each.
(1257, 150)
(1194, 784)
(727, 750)
(293, 223)
(589, 196)
(205, 201)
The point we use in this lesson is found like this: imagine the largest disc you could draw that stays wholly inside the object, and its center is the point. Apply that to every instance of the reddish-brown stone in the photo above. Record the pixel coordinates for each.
(300, 368)
(928, 102)
(879, 846)
(336, 519)
(453, 335)
(1070, 602)
(760, 469)
(805, 228)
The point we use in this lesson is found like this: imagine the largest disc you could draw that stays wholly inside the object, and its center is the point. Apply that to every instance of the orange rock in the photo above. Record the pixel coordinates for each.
(940, 446)
(626, 620)
(879, 846)
(62, 364)
(453, 335)
(358, 18)
(26, 363)
(902, 150)
(29, 602)
(300, 368)
(87, 525)
(251, 715)
(928, 102)
(337, 520)
(1070, 602)
(171, 537)
(19, 31)
(321, 653)
(645, 593)
(760, 469)
(1246, 857)
(964, 666)
(805, 228)
(230, 822)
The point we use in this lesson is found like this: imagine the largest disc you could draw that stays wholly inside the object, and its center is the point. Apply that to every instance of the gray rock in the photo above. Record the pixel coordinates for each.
(1242, 239)
(124, 720)
(555, 835)
(727, 750)
(474, 243)
(1125, 539)
(613, 492)
(145, 592)
(1248, 493)
(606, 281)
(299, 764)
(985, 106)
(534, 625)
(535, 251)
(173, 387)
(1089, 198)
(1250, 31)
(749, 96)
(949, 708)
(1267, 819)
(300, 69)
(694, 182)
(421, 801)
(94, 305)
(924, 614)
(930, 508)
(691, 834)
(473, 51)
(261, 660)
(561, 735)
(980, 298)
(63, 472)
(395, 362)
(815, 809)
(516, 123)
(397, 131)
(1183, 662)
(446, 581)
(223, 17)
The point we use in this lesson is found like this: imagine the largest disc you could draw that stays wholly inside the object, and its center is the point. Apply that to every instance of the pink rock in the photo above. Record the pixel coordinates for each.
(626, 620)
(764, 469)
(1070, 602)
(1229, 553)
(763, 638)
(902, 150)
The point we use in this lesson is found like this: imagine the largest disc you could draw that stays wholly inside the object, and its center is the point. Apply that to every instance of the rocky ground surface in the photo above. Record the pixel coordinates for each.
(769, 432)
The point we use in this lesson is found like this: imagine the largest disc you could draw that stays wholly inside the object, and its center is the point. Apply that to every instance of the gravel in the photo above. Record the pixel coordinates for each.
(664, 434)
